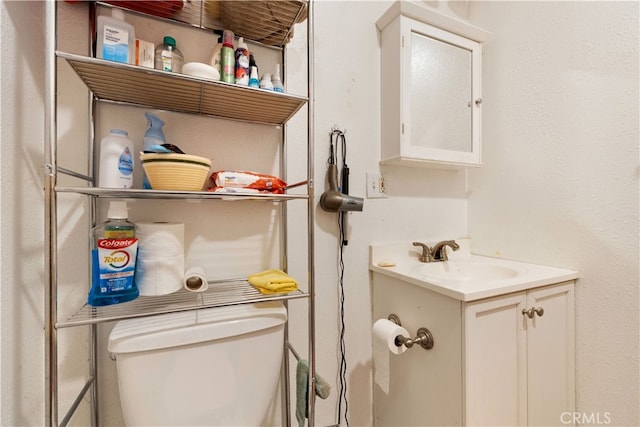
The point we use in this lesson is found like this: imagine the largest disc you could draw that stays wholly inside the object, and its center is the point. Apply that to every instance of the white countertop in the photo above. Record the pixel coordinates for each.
(406, 267)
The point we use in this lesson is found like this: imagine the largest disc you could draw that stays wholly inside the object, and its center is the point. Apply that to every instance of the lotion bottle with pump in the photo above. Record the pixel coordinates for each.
(116, 160)
(153, 136)
(116, 38)
(114, 248)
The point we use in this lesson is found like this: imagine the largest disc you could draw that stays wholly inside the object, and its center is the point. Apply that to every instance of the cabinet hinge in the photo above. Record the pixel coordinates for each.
(402, 41)
(402, 130)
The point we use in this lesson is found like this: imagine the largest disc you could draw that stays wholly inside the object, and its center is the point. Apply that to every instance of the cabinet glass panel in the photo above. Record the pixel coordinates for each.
(441, 97)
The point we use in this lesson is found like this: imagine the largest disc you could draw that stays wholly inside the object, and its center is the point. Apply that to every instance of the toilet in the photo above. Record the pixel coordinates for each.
(208, 367)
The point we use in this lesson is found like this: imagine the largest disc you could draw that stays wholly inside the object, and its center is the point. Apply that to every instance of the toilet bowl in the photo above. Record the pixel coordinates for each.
(209, 367)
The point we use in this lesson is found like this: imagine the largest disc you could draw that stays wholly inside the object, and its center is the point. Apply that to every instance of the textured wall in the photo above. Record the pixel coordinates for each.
(21, 212)
(560, 185)
(561, 150)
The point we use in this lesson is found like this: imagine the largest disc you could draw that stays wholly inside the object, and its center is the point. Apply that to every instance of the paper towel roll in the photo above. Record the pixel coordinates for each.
(195, 280)
(160, 239)
(384, 335)
(160, 261)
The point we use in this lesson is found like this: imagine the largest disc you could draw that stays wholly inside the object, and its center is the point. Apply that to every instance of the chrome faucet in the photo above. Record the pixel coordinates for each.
(439, 251)
(426, 252)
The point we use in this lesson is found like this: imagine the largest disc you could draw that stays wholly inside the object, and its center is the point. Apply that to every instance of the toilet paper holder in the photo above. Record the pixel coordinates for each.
(423, 337)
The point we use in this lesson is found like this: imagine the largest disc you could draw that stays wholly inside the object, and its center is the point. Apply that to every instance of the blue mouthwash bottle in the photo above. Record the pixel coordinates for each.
(114, 251)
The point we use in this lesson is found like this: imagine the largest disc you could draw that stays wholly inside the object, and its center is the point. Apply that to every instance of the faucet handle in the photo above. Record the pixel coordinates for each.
(426, 252)
(439, 251)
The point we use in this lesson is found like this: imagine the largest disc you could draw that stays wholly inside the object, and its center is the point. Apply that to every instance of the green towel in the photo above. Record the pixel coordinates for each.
(322, 389)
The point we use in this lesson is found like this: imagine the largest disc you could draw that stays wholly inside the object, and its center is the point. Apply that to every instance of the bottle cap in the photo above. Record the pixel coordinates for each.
(252, 61)
(169, 41)
(117, 14)
(241, 43)
(117, 210)
(227, 38)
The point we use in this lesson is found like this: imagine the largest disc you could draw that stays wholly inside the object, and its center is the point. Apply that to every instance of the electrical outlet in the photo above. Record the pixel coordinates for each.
(375, 185)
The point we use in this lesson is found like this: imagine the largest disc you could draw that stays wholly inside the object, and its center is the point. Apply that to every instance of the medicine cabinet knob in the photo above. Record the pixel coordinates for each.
(478, 102)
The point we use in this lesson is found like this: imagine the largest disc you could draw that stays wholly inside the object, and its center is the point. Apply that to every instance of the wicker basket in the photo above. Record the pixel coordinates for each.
(173, 171)
(266, 21)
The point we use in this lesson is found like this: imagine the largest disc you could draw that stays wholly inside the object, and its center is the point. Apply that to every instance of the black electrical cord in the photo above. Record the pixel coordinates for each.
(332, 152)
(344, 188)
(345, 168)
(343, 351)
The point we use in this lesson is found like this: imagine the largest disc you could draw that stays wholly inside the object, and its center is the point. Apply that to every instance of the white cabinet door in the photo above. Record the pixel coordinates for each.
(550, 355)
(519, 359)
(495, 362)
(431, 88)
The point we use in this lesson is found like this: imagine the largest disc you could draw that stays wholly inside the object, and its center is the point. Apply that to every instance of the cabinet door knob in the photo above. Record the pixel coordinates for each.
(478, 102)
(533, 311)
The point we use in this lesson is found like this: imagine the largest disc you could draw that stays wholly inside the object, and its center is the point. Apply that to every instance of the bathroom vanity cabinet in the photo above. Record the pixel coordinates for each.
(118, 86)
(491, 363)
(525, 364)
(431, 97)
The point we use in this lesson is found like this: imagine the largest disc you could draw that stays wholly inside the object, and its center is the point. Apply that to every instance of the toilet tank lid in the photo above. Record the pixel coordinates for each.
(184, 328)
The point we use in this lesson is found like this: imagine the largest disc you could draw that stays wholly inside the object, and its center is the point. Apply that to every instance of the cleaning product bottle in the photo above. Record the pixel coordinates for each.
(265, 82)
(252, 62)
(242, 63)
(114, 249)
(153, 136)
(227, 58)
(277, 82)
(214, 60)
(116, 160)
(254, 81)
(168, 56)
(116, 39)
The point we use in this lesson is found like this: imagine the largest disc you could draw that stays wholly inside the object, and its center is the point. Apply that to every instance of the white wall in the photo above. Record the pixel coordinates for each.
(422, 203)
(560, 185)
(21, 277)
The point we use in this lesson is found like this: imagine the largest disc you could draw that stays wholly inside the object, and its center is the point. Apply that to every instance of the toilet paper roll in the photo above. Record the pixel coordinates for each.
(195, 280)
(384, 335)
(160, 260)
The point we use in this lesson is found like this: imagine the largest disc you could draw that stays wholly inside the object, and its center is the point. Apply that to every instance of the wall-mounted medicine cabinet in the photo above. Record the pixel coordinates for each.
(431, 100)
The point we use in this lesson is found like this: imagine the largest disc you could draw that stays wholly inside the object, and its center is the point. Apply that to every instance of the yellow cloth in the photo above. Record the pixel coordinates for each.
(273, 282)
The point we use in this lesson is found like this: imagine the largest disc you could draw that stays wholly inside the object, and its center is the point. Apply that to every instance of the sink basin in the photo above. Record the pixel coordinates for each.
(467, 271)
(465, 276)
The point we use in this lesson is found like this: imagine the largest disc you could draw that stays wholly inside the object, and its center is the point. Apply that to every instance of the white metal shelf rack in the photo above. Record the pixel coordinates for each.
(131, 85)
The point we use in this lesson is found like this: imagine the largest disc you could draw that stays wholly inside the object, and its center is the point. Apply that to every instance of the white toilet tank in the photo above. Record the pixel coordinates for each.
(210, 367)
